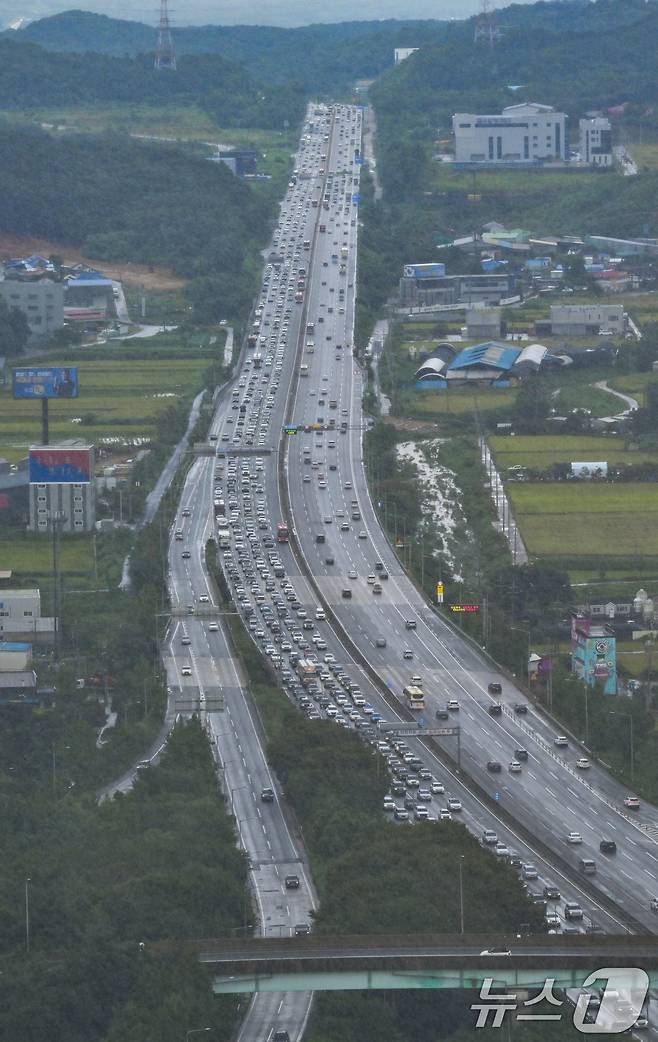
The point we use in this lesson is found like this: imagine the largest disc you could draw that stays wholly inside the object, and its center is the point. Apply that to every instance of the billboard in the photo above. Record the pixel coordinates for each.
(424, 271)
(45, 383)
(589, 470)
(58, 464)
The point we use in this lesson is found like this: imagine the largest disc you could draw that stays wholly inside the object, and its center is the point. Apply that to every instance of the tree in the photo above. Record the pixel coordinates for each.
(531, 407)
(14, 330)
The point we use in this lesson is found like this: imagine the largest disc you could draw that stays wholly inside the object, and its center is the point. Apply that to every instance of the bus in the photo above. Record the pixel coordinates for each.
(413, 697)
(282, 532)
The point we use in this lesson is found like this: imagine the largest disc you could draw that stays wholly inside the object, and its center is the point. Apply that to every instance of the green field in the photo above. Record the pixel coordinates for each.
(539, 452)
(569, 519)
(119, 402)
(460, 400)
(30, 556)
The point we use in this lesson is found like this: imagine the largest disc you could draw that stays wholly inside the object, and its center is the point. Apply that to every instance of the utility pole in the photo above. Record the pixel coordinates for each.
(57, 519)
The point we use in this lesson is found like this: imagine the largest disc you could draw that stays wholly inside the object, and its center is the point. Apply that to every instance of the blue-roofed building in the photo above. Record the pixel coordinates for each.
(15, 656)
(490, 362)
(88, 291)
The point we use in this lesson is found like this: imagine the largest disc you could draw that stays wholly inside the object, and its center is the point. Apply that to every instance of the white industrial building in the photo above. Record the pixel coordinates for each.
(596, 141)
(524, 133)
(20, 615)
(587, 319)
(401, 53)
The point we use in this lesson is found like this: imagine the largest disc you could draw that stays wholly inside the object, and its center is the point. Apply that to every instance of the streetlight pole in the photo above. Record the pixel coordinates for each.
(27, 913)
(460, 866)
(630, 719)
(528, 633)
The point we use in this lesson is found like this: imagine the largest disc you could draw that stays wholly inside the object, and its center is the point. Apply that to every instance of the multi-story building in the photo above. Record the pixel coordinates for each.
(587, 319)
(42, 303)
(594, 653)
(596, 141)
(400, 54)
(526, 133)
(20, 615)
(456, 289)
(62, 486)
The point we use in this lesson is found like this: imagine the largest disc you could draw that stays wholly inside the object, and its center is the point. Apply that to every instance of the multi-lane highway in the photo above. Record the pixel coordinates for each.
(307, 346)
(336, 594)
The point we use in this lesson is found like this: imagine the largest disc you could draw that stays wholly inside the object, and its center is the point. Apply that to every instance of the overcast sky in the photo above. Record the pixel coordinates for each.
(252, 12)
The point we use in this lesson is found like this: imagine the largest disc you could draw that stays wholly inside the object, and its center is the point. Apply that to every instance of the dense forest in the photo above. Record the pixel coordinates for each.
(331, 57)
(32, 77)
(158, 863)
(123, 200)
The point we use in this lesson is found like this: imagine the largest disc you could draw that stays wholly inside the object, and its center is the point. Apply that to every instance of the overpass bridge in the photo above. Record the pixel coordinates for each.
(315, 963)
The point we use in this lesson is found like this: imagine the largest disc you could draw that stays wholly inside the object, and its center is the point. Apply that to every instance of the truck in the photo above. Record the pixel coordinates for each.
(306, 671)
(258, 360)
(282, 534)
(219, 507)
(310, 327)
(223, 537)
(344, 252)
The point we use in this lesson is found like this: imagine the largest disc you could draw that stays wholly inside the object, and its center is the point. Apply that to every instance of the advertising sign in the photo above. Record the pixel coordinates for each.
(424, 271)
(439, 593)
(59, 464)
(45, 383)
(465, 609)
(589, 470)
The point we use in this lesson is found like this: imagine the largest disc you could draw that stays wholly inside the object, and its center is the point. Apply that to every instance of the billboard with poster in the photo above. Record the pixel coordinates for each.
(45, 382)
(51, 464)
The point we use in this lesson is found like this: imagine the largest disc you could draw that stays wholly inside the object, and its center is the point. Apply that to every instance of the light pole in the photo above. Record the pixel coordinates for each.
(460, 866)
(629, 718)
(528, 633)
(27, 913)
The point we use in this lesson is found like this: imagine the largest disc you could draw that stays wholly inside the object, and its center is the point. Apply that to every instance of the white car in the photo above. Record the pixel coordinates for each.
(582, 764)
(574, 837)
(437, 788)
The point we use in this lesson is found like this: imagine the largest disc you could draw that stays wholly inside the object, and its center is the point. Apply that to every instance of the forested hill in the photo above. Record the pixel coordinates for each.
(319, 56)
(327, 57)
(32, 77)
(575, 71)
(123, 200)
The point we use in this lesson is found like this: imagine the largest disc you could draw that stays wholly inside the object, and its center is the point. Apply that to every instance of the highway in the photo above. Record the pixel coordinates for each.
(306, 346)
(316, 596)
(205, 677)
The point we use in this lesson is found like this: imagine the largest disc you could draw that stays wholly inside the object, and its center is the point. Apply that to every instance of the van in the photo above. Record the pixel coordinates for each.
(587, 866)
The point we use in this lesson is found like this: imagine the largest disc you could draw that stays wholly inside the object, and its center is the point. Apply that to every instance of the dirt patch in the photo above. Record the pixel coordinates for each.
(418, 426)
(130, 274)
